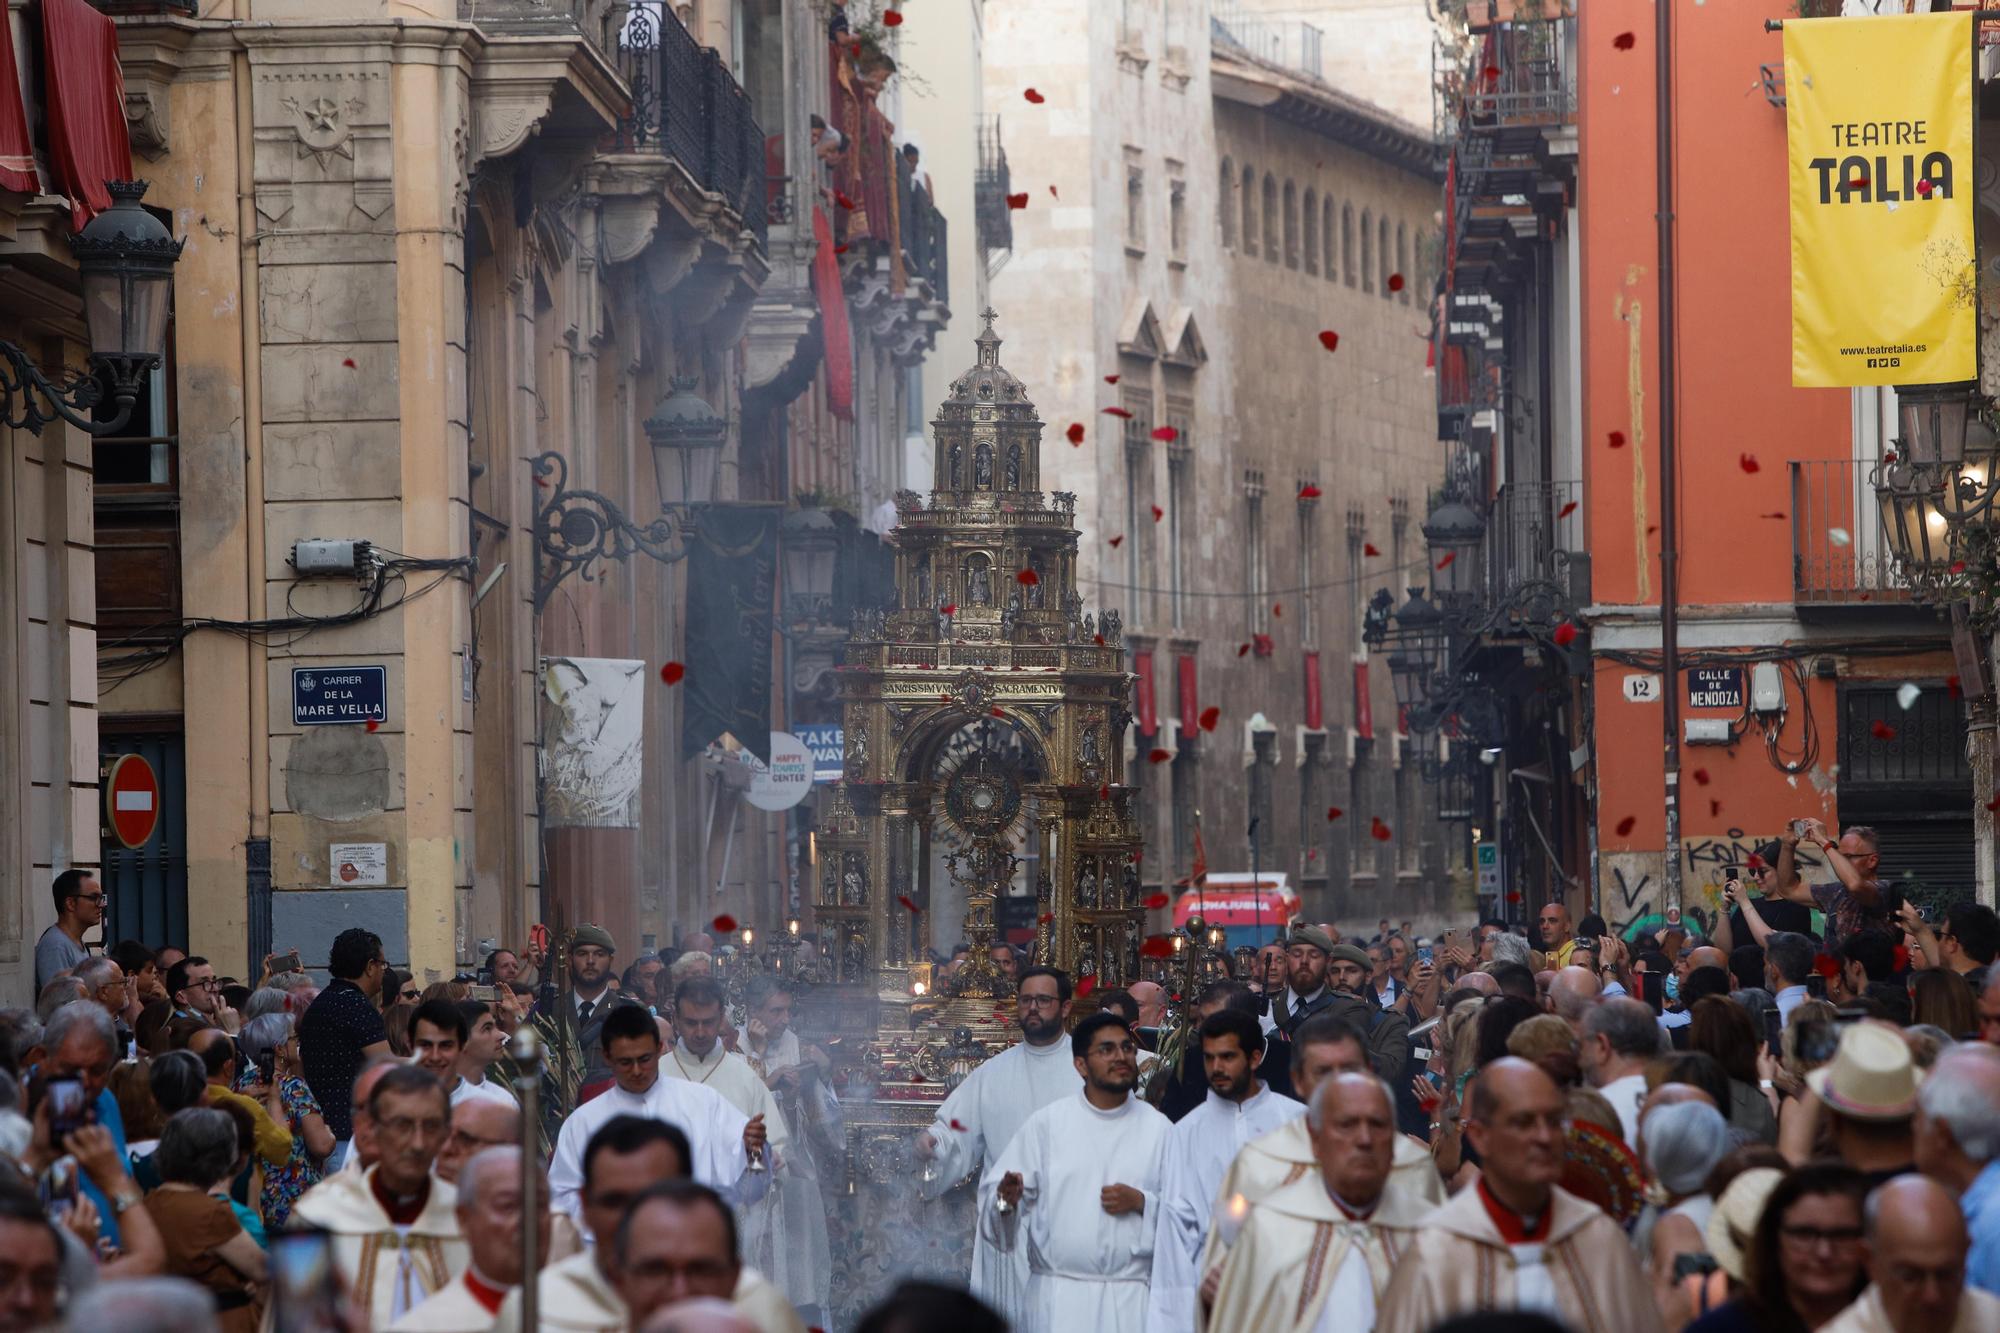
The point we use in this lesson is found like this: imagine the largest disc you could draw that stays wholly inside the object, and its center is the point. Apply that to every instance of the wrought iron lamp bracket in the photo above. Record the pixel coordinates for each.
(577, 529)
(32, 400)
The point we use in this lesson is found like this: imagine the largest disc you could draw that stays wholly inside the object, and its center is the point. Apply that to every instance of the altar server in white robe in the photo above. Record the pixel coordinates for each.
(699, 1057)
(1079, 1189)
(720, 1137)
(1315, 1255)
(786, 1238)
(1240, 1107)
(982, 1115)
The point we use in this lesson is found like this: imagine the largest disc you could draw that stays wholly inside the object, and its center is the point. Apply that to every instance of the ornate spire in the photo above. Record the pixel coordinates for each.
(988, 340)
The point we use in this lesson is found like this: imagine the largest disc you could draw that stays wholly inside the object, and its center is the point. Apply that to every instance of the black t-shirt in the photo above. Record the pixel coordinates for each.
(1778, 914)
(335, 1029)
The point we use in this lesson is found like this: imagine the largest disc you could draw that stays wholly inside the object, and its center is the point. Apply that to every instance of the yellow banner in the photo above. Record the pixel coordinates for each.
(1878, 126)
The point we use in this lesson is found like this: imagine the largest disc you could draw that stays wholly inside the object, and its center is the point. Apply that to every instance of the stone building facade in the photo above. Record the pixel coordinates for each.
(1177, 327)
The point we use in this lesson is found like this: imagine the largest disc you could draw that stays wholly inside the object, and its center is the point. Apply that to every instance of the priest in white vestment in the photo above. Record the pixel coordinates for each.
(392, 1228)
(1240, 1108)
(786, 1238)
(1314, 1256)
(1514, 1240)
(983, 1114)
(1078, 1188)
(720, 1137)
(489, 1217)
(699, 1057)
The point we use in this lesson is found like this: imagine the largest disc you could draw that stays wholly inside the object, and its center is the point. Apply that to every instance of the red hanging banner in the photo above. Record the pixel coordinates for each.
(1190, 701)
(1149, 717)
(1364, 709)
(1315, 715)
(17, 148)
(834, 331)
(86, 106)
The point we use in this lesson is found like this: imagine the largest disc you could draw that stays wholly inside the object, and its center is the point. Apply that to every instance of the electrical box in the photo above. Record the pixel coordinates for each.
(1707, 731)
(323, 557)
(1767, 688)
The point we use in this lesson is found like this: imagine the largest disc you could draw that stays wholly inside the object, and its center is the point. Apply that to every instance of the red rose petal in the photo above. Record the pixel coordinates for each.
(1701, 775)
(1859, 182)
(1882, 731)
(1018, 200)
(1567, 510)
(724, 924)
(1748, 462)
(1157, 756)
(1111, 379)
(373, 725)
(1000, 713)
(1395, 282)
(1958, 566)
(1278, 610)
(842, 200)
(1333, 812)
(1027, 578)
(1755, 862)
(1242, 650)
(840, 249)
(1086, 986)
(1951, 684)
(1627, 824)
(1053, 194)
(944, 698)
(1617, 439)
(1309, 492)
(1136, 857)
(1329, 339)
(672, 672)
(1924, 188)
(1165, 434)
(1158, 513)
(1118, 412)
(956, 1125)
(951, 608)
(1045, 918)
(1775, 513)
(1565, 634)
(1378, 830)
(1100, 643)
(1491, 73)
(1714, 808)
(1157, 946)
(1514, 896)
(1209, 716)
(909, 904)
(1034, 96)
(893, 19)
(1624, 41)
(1994, 804)
(348, 362)
(1449, 556)
(1157, 900)
(1103, 791)
(1368, 549)
(1115, 540)
(1075, 432)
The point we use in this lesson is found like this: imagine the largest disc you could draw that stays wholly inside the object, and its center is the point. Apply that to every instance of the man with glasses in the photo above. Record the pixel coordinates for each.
(79, 907)
(396, 1240)
(984, 1113)
(1916, 1247)
(342, 1030)
(476, 1126)
(197, 994)
(1854, 901)
(1079, 1190)
(1514, 1240)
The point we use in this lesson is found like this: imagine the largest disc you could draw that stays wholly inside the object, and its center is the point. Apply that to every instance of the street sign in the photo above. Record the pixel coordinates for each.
(1489, 867)
(132, 801)
(784, 782)
(1642, 689)
(1715, 687)
(339, 695)
(827, 741)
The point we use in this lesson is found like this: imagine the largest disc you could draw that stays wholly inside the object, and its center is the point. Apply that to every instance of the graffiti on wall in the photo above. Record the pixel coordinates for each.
(1634, 883)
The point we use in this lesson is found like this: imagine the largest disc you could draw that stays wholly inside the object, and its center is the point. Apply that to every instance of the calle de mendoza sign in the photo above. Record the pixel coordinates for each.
(1878, 128)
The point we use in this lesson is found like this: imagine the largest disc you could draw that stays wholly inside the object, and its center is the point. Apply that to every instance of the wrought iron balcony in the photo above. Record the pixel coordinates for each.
(1289, 44)
(1519, 76)
(1841, 556)
(1534, 533)
(991, 185)
(687, 106)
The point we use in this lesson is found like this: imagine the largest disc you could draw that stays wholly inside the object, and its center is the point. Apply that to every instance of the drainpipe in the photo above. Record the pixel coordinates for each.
(1670, 656)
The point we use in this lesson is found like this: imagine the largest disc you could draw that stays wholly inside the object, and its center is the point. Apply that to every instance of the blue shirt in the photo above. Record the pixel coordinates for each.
(1981, 1202)
(107, 1116)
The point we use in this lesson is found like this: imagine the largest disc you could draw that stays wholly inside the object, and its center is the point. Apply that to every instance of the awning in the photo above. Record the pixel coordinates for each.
(88, 144)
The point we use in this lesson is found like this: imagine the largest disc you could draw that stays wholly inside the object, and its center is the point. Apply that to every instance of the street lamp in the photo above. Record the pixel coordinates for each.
(809, 545)
(1419, 650)
(1454, 532)
(125, 261)
(686, 435)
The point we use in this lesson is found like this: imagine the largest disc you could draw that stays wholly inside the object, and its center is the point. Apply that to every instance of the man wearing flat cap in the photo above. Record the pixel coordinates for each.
(1334, 978)
(573, 1020)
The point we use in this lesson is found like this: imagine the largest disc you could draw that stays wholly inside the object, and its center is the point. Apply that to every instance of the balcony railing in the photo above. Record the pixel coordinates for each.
(1840, 554)
(921, 229)
(1287, 43)
(990, 187)
(1530, 534)
(687, 106)
(1520, 75)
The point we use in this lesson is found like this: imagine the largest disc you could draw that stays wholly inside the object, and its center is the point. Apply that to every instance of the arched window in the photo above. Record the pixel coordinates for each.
(1328, 267)
(1311, 223)
(1270, 218)
(1291, 225)
(1367, 251)
(1347, 269)
(1225, 206)
(1386, 257)
(1249, 210)
(1403, 260)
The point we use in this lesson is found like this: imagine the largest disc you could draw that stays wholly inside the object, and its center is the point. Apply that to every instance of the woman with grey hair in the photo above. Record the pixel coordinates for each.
(198, 1155)
(1684, 1141)
(271, 1047)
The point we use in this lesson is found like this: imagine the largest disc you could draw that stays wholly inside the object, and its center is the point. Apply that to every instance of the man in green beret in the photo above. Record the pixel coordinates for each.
(1326, 977)
(572, 1021)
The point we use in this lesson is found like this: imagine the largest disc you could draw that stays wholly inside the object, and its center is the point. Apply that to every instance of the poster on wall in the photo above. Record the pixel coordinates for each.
(1878, 132)
(593, 734)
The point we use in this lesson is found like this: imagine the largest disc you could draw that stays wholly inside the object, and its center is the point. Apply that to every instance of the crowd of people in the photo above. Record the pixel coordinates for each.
(1784, 1119)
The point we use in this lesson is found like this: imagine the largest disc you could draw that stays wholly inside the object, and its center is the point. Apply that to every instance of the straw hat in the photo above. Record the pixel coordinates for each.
(1734, 1219)
(1872, 1076)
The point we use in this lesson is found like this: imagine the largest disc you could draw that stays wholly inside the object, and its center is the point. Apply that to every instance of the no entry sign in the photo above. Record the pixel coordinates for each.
(132, 801)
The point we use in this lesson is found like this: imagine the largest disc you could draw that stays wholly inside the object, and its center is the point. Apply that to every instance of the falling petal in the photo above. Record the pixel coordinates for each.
(373, 725)
(1565, 634)
(1839, 536)
(1118, 412)
(1158, 513)
(1714, 808)
(1378, 830)
(724, 924)
(1368, 549)
(1309, 492)
(1027, 578)
(1906, 695)
(672, 672)
(909, 904)
(1617, 439)
(1567, 510)
(1333, 812)
(1395, 282)
(1115, 540)
(1242, 649)
(950, 608)
(1748, 462)
(1448, 558)
(1329, 339)
(1086, 986)
(1018, 200)
(1075, 432)
(1627, 824)
(1278, 610)
(1882, 731)
(1157, 756)
(1701, 776)
(1165, 434)
(1156, 901)
(1624, 41)
(894, 19)
(1034, 96)
(1209, 716)
(1157, 946)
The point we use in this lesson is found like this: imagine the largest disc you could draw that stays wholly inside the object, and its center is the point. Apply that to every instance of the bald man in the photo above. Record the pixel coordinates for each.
(1151, 997)
(1917, 1241)
(1558, 934)
(703, 1315)
(1571, 995)
(1516, 1240)
(1706, 956)
(477, 1124)
(1482, 982)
